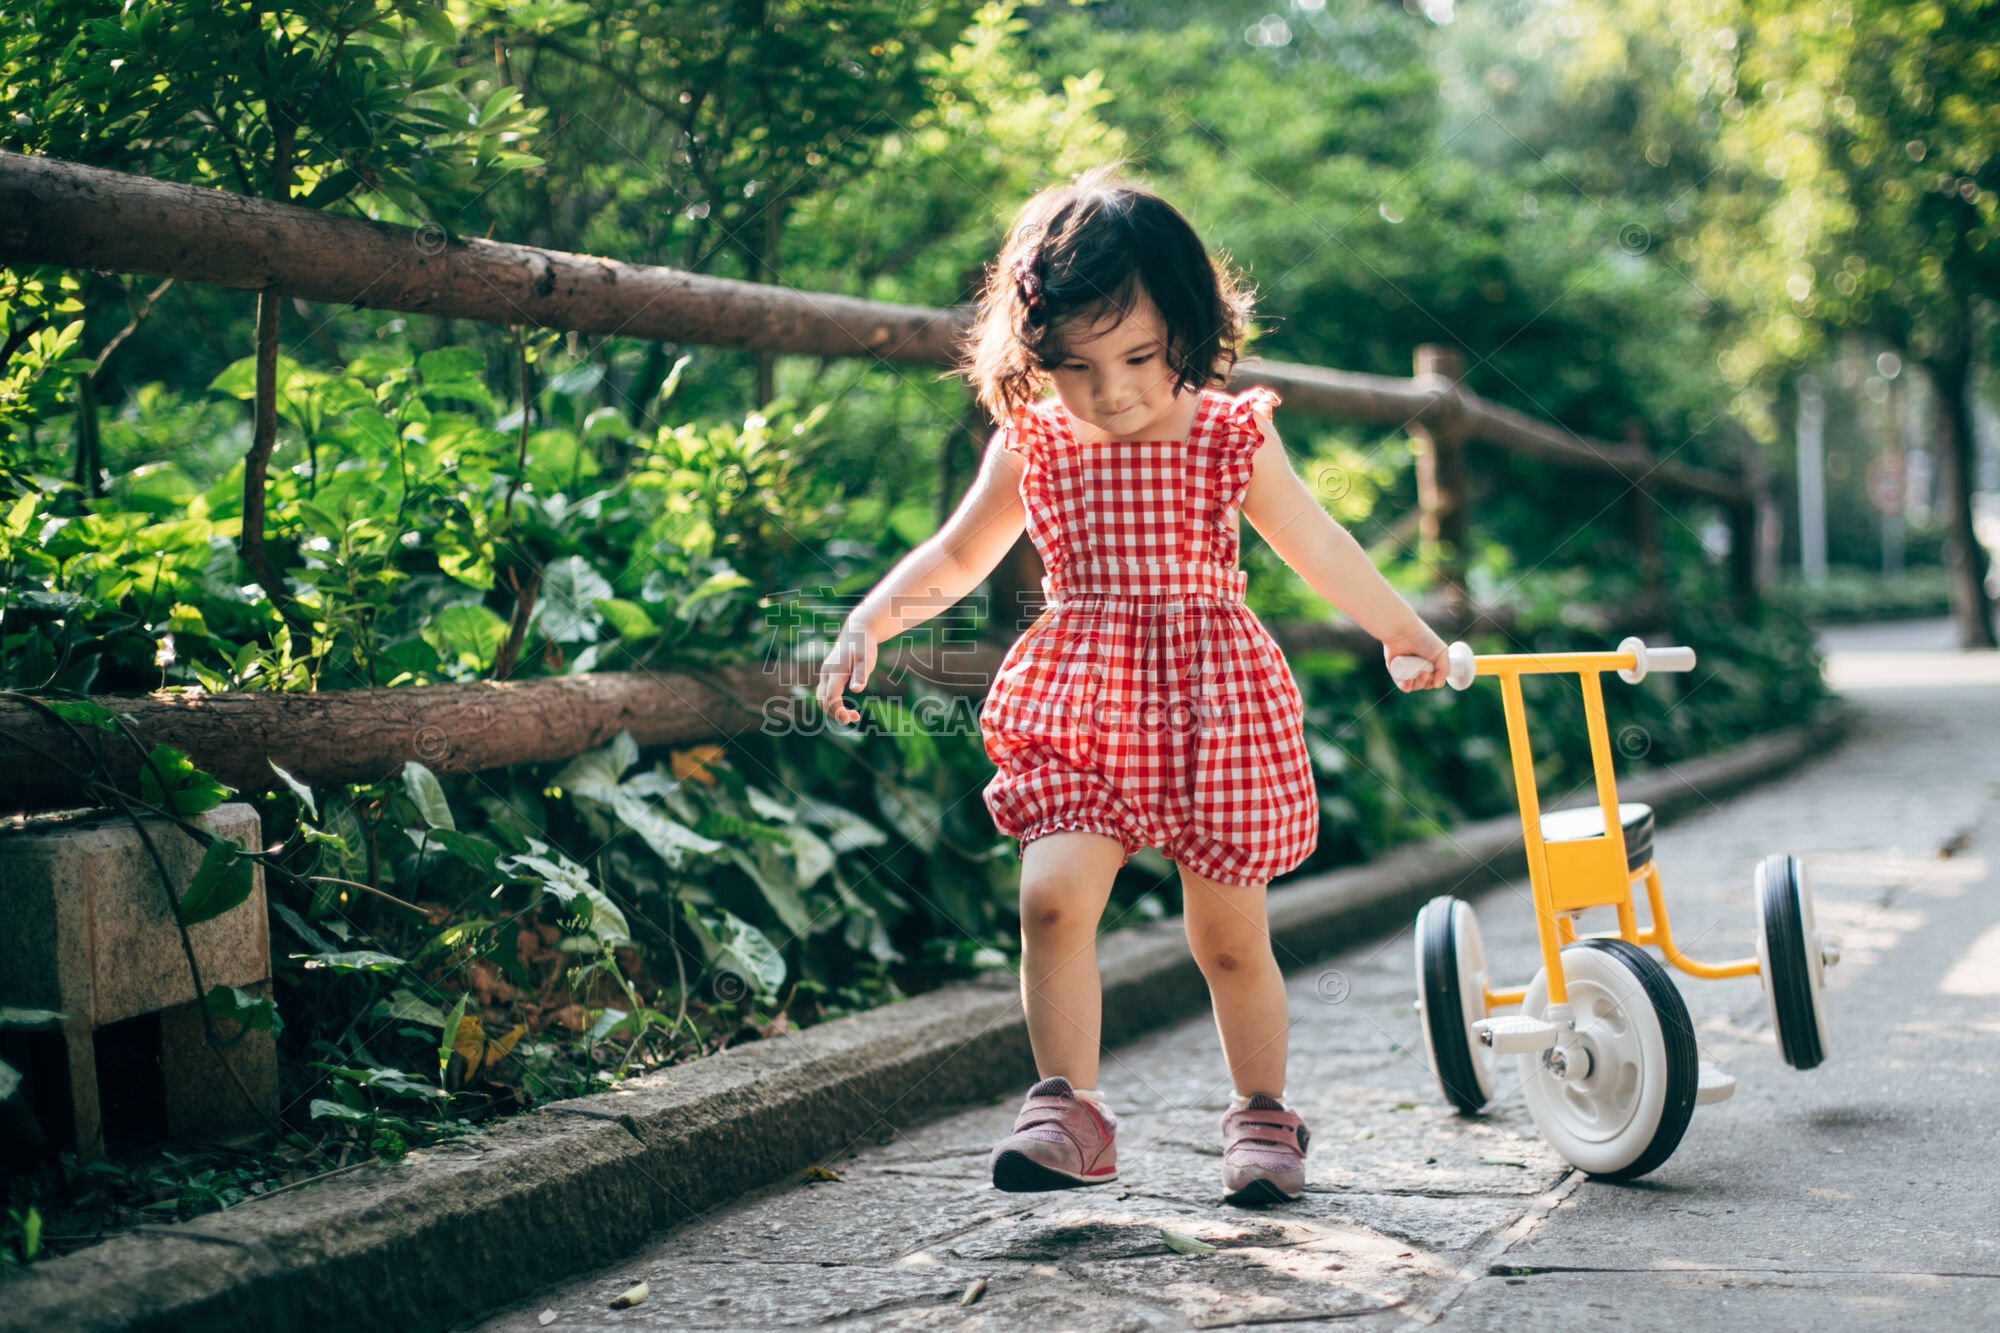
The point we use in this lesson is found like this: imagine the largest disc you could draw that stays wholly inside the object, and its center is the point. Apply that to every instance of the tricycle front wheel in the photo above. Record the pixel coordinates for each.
(1615, 1095)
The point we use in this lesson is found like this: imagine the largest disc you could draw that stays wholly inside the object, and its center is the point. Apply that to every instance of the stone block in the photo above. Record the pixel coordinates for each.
(92, 936)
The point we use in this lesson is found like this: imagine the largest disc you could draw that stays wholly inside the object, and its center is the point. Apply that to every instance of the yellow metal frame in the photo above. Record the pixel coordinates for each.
(1589, 872)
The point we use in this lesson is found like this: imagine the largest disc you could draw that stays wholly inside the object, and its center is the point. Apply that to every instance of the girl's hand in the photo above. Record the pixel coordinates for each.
(847, 667)
(1422, 642)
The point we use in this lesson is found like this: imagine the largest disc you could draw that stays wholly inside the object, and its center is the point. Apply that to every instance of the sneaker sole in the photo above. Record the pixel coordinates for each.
(1018, 1173)
(1259, 1192)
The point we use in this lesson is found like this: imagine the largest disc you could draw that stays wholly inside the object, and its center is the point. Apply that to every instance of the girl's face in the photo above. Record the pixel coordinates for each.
(1114, 379)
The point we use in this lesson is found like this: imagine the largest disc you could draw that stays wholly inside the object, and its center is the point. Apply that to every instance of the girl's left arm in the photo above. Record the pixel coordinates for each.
(1314, 543)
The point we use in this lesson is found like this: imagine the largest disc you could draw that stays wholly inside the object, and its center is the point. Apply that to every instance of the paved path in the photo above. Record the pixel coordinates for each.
(1859, 1193)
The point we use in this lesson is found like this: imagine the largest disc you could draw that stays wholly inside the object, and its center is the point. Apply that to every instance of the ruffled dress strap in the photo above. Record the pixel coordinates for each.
(1027, 432)
(1242, 434)
(1245, 408)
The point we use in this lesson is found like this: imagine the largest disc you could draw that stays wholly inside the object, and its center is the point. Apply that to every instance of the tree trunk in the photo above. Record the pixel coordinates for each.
(1952, 373)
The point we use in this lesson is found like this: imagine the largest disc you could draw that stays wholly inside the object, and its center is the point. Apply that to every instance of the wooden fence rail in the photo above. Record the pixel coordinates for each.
(337, 736)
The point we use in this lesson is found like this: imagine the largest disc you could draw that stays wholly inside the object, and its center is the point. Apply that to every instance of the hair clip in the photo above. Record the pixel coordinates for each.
(1028, 278)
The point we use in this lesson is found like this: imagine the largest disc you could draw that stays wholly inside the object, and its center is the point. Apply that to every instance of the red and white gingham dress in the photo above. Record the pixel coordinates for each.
(1147, 702)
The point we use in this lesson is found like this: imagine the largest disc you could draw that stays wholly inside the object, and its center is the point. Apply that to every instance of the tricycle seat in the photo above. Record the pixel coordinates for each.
(1587, 821)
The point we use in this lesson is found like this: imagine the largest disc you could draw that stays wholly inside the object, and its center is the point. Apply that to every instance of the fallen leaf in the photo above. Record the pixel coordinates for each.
(693, 763)
(1180, 1244)
(545, 1318)
(1504, 1161)
(817, 1172)
(631, 1296)
(973, 1292)
(498, 1048)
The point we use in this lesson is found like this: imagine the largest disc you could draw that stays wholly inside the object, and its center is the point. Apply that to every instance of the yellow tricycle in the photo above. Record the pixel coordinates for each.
(1605, 1050)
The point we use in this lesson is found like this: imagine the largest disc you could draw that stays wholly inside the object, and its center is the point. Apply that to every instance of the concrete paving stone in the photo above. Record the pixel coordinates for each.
(746, 1293)
(1805, 1302)
(870, 1217)
(1347, 1274)
(1037, 1296)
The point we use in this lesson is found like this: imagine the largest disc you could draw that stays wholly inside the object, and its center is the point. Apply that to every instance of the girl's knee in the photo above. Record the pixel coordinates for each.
(1231, 953)
(1057, 905)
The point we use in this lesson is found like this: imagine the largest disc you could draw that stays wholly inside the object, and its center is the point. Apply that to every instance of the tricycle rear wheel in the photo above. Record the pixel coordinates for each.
(1451, 997)
(1791, 965)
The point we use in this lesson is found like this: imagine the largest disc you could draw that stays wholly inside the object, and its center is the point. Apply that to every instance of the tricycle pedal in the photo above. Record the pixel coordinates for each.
(1712, 1085)
(1515, 1034)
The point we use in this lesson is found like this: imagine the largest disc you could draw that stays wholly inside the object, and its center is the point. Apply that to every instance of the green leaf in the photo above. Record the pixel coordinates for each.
(436, 24)
(845, 830)
(628, 618)
(83, 713)
(189, 790)
(31, 1019)
(424, 789)
(566, 610)
(325, 1109)
(670, 839)
(451, 1032)
(223, 882)
(477, 852)
(1180, 1244)
(353, 960)
(776, 881)
(746, 951)
(20, 515)
(915, 814)
(467, 635)
(403, 1006)
(299, 789)
(815, 858)
(596, 773)
(10, 1079)
(240, 1006)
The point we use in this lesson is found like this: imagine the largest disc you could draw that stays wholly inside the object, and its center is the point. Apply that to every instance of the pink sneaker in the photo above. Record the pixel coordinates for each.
(1060, 1141)
(1263, 1152)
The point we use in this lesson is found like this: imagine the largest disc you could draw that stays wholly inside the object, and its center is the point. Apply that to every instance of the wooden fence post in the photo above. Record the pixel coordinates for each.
(1439, 440)
(1645, 524)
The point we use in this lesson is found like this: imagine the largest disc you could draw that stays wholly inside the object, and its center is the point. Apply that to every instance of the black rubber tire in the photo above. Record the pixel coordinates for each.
(1791, 980)
(1683, 1060)
(1444, 1006)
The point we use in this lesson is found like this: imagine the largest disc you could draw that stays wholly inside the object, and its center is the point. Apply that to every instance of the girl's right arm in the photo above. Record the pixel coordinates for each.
(932, 578)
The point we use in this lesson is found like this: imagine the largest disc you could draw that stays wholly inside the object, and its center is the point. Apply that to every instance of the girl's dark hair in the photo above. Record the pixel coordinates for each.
(1085, 251)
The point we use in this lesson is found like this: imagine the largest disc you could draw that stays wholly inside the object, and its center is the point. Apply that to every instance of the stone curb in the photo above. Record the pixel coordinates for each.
(465, 1228)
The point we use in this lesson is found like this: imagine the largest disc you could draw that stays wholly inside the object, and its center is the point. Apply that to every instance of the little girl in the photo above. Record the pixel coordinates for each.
(1146, 706)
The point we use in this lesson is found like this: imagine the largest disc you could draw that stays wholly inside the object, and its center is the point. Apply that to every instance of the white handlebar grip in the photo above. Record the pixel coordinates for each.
(1652, 659)
(1670, 659)
(1463, 668)
(1408, 668)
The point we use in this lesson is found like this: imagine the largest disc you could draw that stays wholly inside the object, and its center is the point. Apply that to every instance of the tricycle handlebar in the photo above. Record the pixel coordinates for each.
(1465, 666)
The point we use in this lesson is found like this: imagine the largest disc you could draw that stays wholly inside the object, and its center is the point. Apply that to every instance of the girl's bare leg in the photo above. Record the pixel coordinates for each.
(1065, 882)
(1231, 941)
